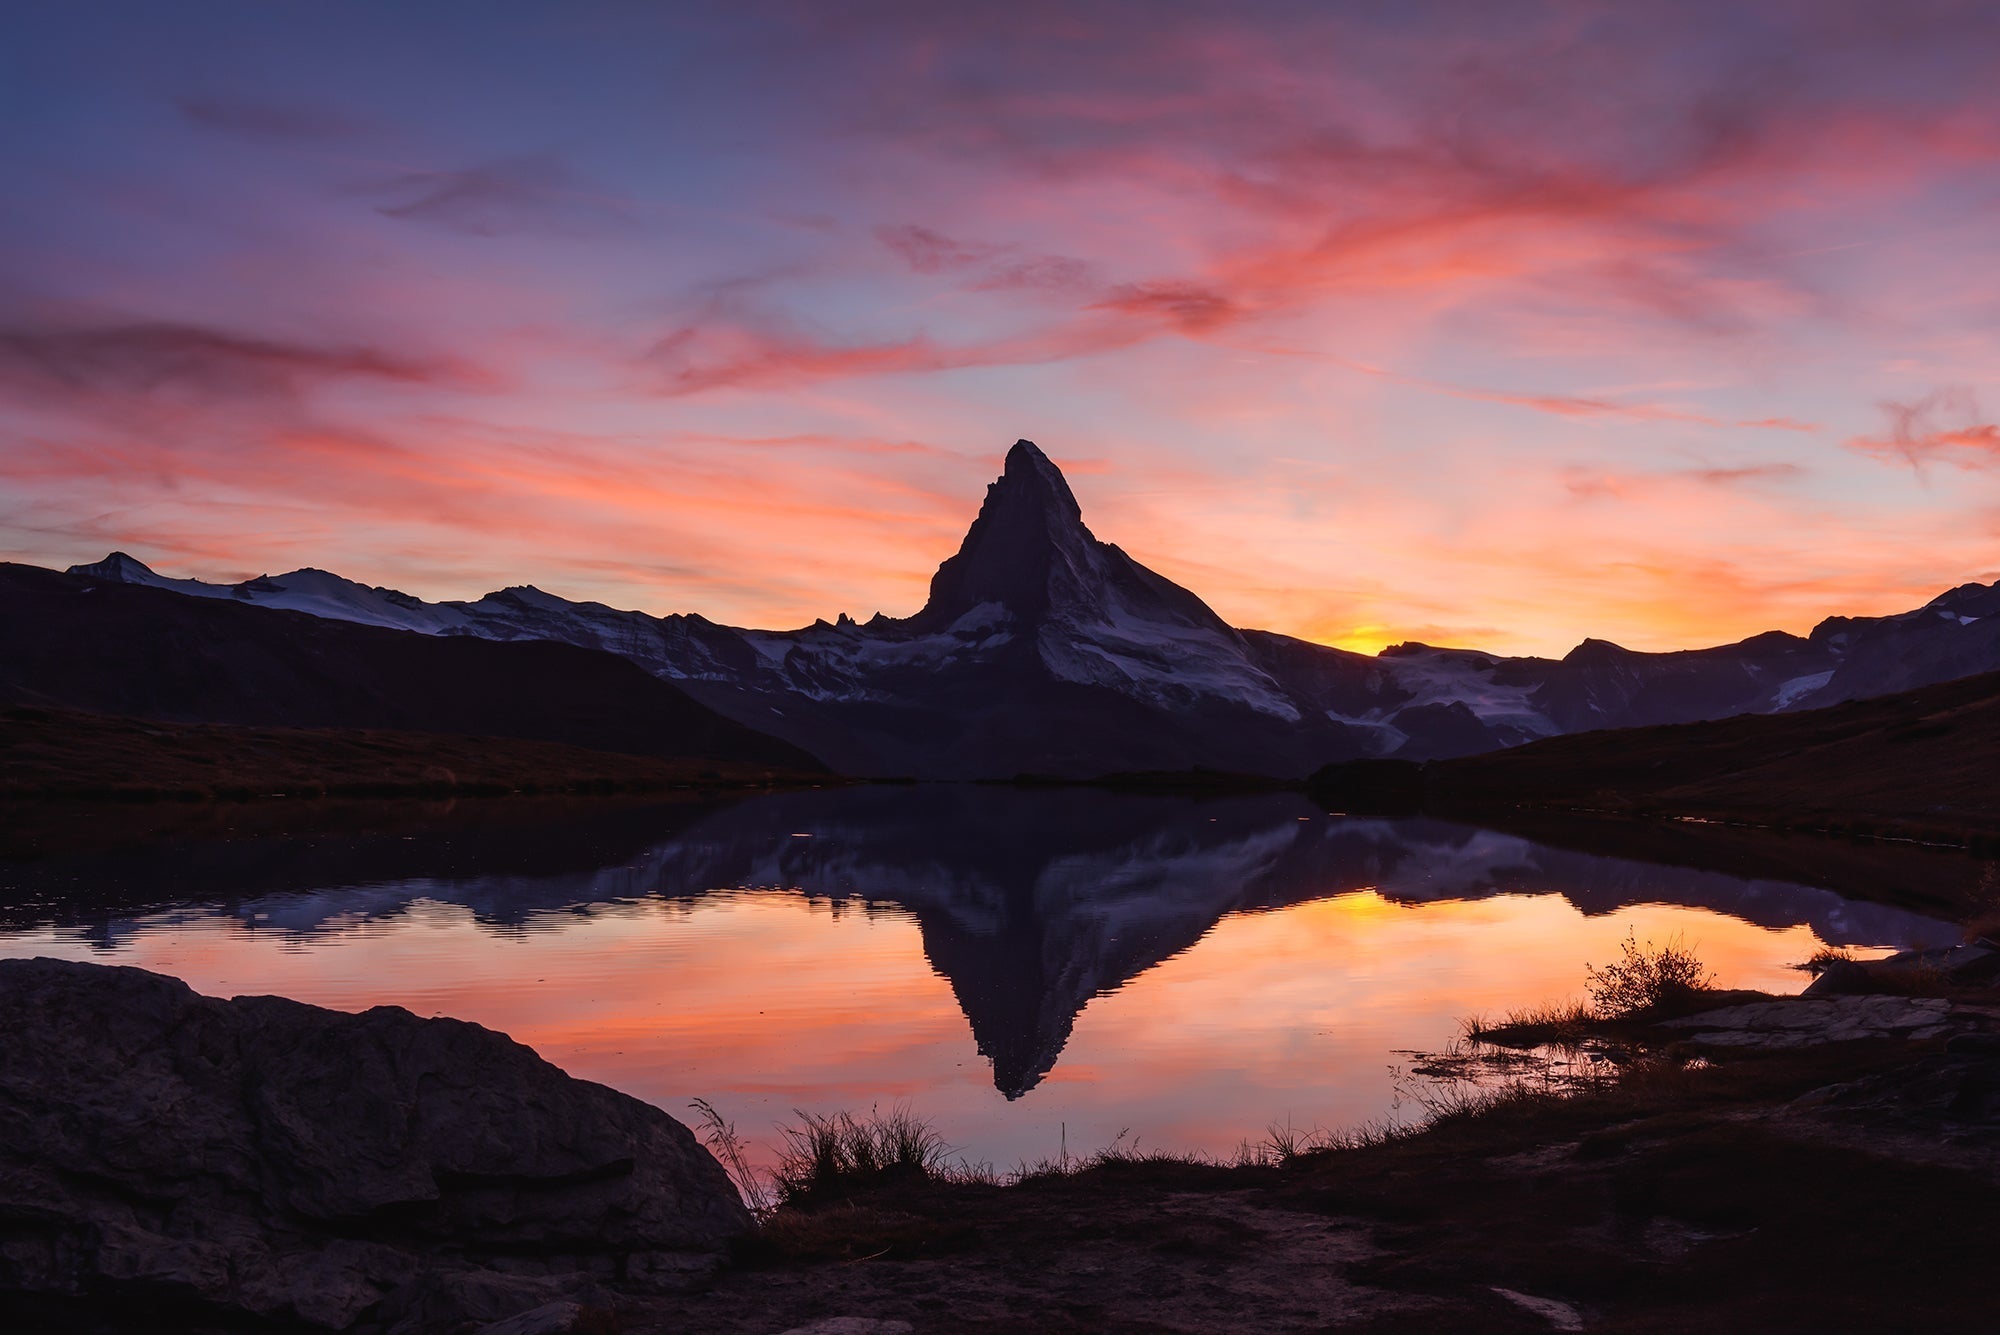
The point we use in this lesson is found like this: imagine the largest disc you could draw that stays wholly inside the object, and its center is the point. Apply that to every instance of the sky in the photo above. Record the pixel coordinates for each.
(1498, 325)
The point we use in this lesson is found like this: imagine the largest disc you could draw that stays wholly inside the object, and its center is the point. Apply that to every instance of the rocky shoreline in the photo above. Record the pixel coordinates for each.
(177, 1162)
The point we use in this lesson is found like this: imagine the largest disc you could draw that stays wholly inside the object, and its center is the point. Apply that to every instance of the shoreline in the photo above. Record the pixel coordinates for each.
(1709, 1183)
(1743, 1144)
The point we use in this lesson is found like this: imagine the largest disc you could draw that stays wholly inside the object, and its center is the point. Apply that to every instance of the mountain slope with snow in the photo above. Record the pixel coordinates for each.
(1043, 649)
(83, 642)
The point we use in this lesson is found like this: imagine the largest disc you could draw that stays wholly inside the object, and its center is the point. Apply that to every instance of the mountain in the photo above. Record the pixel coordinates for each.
(1043, 649)
(109, 646)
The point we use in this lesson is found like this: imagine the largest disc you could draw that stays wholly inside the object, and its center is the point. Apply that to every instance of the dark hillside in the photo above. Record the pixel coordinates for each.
(72, 755)
(82, 643)
(1919, 764)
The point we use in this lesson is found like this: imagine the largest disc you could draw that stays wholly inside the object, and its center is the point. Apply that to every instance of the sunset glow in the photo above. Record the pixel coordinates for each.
(1459, 323)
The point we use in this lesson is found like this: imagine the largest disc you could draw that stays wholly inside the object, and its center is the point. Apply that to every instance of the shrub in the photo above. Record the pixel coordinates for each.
(1646, 978)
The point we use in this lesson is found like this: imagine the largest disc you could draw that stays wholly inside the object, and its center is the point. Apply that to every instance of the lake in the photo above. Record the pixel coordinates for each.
(1026, 968)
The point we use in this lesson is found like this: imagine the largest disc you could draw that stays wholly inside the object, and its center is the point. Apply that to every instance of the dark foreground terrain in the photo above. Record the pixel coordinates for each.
(1825, 1163)
(1799, 1164)
(68, 755)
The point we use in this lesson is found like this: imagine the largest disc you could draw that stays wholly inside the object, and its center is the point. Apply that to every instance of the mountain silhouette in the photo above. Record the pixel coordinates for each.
(1043, 650)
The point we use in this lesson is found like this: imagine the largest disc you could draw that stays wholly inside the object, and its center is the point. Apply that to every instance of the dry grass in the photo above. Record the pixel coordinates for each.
(1282, 1144)
(1824, 958)
(728, 1148)
(1124, 1152)
(849, 1232)
(1984, 923)
(828, 1152)
(1285, 1144)
(1566, 1024)
(1923, 980)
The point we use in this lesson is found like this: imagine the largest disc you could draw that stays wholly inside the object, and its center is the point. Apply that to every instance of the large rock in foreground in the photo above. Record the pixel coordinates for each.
(267, 1157)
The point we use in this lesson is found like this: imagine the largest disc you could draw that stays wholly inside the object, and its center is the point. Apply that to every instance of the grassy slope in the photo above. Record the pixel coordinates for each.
(47, 753)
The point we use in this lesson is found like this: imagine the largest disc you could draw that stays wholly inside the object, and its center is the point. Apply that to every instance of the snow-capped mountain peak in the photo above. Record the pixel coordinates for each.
(127, 569)
(1098, 617)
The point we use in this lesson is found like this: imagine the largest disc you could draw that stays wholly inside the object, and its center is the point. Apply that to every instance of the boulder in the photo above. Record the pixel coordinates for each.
(267, 1158)
(1965, 965)
(1841, 978)
(1951, 1097)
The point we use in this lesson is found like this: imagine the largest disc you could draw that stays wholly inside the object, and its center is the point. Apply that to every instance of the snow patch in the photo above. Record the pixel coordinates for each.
(1800, 687)
(1446, 677)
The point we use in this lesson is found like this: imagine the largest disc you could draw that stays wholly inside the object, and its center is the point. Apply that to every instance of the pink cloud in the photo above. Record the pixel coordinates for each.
(191, 361)
(929, 252)
(1191, 308)
(1944, 426)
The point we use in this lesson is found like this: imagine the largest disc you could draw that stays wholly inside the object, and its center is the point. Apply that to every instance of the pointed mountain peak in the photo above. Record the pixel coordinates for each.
(1030, 473)
(1029, 530)
(118, 566)
(1029, 554)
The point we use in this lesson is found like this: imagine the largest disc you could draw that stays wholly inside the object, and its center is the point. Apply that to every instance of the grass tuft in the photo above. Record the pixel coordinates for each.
(1124, 1152)
(1823, 959)
(1566, 1024)
(827, 1152)
(728, 1148)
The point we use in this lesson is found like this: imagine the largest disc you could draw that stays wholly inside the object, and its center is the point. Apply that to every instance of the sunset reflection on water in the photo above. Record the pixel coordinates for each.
(1225, 975)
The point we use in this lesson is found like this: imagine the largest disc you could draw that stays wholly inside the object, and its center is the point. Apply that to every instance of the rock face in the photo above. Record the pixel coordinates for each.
(1804, 1023)
(259, 1156)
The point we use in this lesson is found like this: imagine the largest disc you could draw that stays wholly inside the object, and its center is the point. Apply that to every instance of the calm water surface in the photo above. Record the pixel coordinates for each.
(1007, 963)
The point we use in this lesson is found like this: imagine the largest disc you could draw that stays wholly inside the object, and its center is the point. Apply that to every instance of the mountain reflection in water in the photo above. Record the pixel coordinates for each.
(1028, 903)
